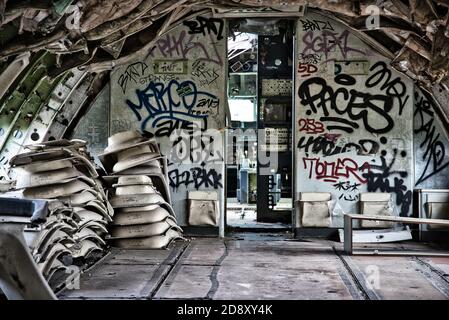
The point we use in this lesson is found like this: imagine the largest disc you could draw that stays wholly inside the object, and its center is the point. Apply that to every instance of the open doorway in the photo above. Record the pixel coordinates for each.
(260, 97)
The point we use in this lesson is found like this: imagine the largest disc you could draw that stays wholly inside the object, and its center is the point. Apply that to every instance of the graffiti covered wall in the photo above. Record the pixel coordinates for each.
(431, 145)
(354, 128)
(176, 92)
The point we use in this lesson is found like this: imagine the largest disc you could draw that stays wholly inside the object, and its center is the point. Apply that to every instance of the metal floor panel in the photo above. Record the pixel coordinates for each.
(264, 267)
(126, 274)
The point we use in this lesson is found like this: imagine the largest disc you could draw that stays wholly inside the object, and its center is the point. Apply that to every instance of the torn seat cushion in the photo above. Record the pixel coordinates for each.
(376, 204)
(315, 214)
(315, 209)
(202, 213)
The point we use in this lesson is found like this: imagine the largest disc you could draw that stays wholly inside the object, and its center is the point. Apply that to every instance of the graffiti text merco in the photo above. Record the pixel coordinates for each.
(350, 105)
(173, 101)
(327, 147)
(206, 26)
(327, 42)
(332, 171)
(197, 177)
(434, 150)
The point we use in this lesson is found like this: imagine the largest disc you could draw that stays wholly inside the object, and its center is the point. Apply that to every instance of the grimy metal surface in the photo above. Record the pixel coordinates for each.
(261, 266)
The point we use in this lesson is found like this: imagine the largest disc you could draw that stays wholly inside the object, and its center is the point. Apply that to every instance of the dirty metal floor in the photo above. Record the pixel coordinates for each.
(262, 266)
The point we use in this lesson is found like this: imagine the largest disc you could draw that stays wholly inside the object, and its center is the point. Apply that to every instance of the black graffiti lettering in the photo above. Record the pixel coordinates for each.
(205, 74)
(348, 127)
(316, 94)
(434, 149)
(197, 177)
(315, 25)
(347, 186)
(345, 79)
(395, 88)
(309, 58)
(379, 178)
(351, 198)
(133, 73)
(205, 26)
(321, 145)
(165, 128)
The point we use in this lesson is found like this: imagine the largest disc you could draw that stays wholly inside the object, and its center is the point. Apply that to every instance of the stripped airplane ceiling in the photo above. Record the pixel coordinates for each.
(55, 55)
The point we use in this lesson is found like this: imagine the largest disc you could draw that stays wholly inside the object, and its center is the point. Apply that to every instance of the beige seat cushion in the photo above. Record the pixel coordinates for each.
(376, 204)
(315, 209)
(315, 196)
(315, 214)
(203, 208)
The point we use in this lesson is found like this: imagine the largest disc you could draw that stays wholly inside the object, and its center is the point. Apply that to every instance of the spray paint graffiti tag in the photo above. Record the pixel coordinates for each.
(172, 101)
(333, 171)
(197, 177)
(328, 41)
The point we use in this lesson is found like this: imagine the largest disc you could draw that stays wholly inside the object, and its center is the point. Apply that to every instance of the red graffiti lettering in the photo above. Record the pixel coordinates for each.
(333, 171)
(310, 126)
(306, 70)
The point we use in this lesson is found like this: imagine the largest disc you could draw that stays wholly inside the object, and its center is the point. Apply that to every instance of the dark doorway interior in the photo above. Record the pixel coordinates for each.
(260, 98)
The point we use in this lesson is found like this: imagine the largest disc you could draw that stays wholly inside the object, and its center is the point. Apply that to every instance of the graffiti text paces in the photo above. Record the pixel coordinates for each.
(350, 105)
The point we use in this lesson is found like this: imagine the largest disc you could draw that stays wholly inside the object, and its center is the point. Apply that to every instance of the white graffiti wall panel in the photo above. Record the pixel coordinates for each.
(431, 145)
(176, 92)
(353, 119)
(91, 126)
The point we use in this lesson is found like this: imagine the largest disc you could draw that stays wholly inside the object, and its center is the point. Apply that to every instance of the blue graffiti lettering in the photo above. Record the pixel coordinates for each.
(173, 101)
